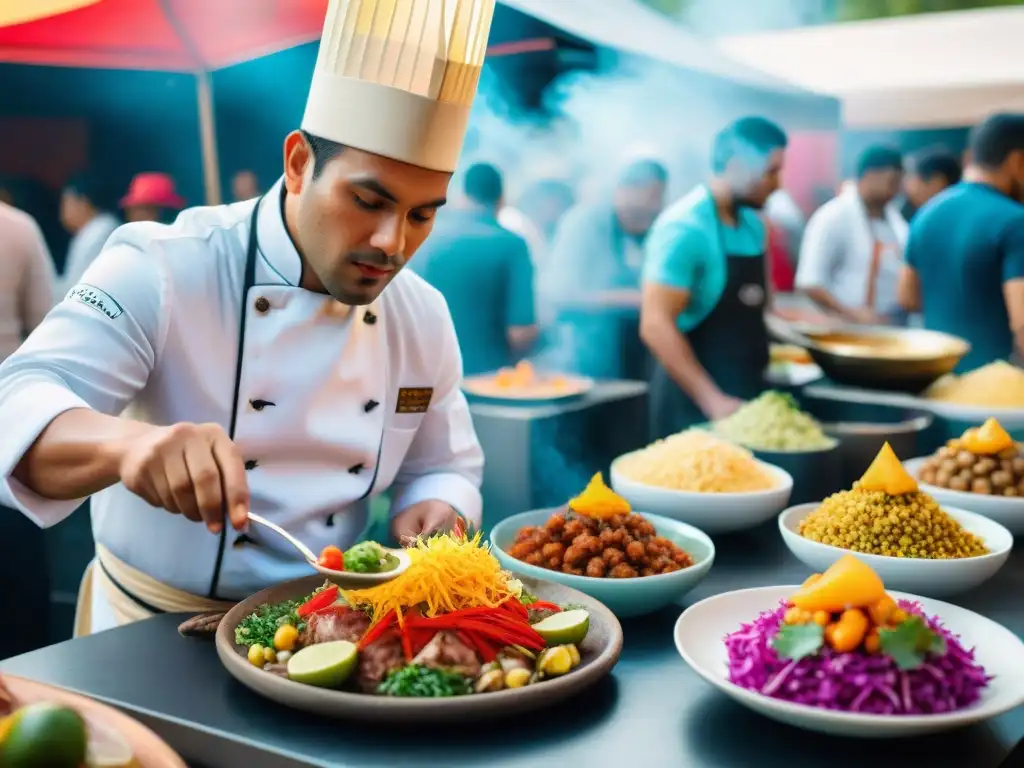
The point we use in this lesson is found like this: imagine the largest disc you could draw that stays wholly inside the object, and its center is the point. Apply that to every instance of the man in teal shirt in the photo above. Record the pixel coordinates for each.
(485, 274)
(965, 257)
(705, 285)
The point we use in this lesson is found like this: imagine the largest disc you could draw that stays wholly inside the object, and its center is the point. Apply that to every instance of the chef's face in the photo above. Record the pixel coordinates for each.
(880, 187)
(753, 179)
(361, 218)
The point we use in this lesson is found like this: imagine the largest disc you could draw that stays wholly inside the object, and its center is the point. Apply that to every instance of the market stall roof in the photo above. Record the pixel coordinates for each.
(628, 25)
(165, 35)
(937, 69)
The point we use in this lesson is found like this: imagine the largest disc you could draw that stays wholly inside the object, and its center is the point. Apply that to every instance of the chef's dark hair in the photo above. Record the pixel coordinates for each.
(936, 161)
(879, 158)
(483, 184)
(996, 139)
(94, 189)
(643, 173)
(747, 133)
(324, 150)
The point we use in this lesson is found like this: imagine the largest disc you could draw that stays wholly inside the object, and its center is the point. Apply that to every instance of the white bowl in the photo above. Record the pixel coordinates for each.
(1005, 510)
(353, 580)
(935, 578)
(699, 634)
(713, 513)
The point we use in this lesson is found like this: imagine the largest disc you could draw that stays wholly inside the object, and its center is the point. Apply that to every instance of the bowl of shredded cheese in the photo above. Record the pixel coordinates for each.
(701, 479)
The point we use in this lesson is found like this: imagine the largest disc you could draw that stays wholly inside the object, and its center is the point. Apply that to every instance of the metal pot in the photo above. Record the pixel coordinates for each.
(816, 474)
(860, 442)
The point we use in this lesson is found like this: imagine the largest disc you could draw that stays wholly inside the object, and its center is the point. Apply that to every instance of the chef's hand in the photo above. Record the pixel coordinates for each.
(718, 405)
(865, 316)
(193, 470)
(423, 519)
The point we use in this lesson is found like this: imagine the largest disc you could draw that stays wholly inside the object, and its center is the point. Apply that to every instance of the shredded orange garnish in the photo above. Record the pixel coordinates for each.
(445, 574)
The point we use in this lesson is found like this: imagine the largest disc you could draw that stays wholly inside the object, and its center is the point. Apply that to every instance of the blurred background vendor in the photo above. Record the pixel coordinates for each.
(598, 253)
(484, 273)
(965, 258)
(152, 197)
(929, 172)
(852, 249)
(705, 287)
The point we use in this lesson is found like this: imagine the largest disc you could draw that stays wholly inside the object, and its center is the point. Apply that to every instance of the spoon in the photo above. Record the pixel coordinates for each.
(347, 579)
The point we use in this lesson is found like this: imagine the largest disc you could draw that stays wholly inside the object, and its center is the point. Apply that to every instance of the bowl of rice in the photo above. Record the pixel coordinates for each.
(703, 480)
(842, 655)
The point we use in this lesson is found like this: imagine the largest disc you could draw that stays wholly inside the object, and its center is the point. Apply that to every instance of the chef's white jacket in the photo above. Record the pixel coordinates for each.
(837, 249)
(153, 330)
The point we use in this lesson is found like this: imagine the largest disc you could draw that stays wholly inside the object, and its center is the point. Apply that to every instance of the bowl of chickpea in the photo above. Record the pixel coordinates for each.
(633, 563)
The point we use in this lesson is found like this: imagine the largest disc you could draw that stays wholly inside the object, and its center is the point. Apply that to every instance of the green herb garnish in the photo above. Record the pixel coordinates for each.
(909, 643)
(797, 641)
(418, 681)
(258, 628)
(526, 598)
(369, 557)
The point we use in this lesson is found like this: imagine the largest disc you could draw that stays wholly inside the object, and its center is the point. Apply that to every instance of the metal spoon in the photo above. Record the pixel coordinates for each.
(306, 551)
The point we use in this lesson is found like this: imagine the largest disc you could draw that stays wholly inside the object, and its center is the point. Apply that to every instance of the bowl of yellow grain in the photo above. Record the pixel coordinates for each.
(703, 480)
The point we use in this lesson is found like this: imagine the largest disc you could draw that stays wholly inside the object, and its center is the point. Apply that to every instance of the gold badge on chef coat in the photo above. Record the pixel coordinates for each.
(414, 399)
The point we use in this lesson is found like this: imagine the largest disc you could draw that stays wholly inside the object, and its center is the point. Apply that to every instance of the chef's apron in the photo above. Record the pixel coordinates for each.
(731, 343)
(132, 594)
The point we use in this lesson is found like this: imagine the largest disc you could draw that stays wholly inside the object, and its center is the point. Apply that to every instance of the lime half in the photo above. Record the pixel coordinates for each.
(564, 628)
(44, 734)
(325, 665)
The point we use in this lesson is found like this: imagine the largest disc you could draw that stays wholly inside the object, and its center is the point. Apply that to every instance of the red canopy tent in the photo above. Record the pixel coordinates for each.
(195, 36)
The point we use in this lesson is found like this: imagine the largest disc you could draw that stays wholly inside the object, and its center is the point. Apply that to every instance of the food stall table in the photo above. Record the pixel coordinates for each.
(539, 455)
(652, 710)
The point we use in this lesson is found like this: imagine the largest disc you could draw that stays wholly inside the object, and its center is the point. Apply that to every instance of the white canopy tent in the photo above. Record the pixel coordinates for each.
(630, 26)
(932, 70)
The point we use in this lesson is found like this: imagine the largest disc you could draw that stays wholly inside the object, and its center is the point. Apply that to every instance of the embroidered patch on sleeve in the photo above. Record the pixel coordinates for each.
(96, 299)
(414, 399)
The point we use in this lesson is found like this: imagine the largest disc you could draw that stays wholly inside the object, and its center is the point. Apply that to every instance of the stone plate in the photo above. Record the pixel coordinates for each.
(599, 653)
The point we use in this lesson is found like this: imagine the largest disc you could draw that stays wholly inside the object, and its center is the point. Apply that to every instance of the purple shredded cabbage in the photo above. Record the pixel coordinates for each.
(855, 682)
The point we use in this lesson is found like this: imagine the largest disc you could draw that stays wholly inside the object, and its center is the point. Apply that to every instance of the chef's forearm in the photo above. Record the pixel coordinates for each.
(78, 454)
(672, 349)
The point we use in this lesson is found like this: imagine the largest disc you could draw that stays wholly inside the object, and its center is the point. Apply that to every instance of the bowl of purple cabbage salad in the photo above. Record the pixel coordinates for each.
(941, 667)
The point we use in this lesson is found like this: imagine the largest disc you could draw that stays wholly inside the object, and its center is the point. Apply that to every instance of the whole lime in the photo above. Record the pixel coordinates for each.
(44, 736)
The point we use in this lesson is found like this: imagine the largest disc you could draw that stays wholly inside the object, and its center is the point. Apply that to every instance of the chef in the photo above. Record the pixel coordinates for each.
(705, 287)
(270, 355)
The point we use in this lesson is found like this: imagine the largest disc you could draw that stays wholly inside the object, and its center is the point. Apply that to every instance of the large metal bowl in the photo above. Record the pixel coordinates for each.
(894, 359)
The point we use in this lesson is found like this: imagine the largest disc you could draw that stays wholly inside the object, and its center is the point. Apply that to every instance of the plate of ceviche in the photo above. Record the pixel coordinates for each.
(843, 656)
(452, 638)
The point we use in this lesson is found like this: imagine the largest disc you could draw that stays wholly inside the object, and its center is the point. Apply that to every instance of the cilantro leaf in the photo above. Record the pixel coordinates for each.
(908, 643)
(797, 641)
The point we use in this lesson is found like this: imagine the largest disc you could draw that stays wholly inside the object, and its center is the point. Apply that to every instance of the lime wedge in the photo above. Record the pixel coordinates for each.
(325, 665)
(564, 628)
(107, 747)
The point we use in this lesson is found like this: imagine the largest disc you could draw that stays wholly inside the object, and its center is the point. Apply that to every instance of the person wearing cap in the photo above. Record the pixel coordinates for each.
(85, 206)
(151, 197)
(852, 249)
(593, 277)
(705, 288)
(270, 356)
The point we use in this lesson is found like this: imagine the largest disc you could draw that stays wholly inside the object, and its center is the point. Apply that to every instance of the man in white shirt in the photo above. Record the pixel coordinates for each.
(852, 249)
(248, 357)
(84, 212)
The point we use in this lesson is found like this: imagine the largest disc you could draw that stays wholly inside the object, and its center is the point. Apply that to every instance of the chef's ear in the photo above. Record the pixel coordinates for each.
(299, 162)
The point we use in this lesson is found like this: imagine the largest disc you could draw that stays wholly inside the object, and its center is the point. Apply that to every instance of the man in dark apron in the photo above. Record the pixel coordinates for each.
(705, 290)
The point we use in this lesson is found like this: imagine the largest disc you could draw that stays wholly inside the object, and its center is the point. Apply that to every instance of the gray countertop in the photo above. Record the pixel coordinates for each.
(653, 711)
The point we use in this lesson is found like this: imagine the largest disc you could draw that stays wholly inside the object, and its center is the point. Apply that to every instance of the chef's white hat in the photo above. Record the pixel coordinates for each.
(397, 77)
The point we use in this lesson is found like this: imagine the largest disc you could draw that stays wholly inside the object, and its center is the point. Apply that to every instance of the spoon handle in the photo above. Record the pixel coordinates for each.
(306, 551)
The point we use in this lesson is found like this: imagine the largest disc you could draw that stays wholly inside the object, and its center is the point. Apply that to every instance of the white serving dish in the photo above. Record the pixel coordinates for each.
(713, 513)
(935, 578)
(699, 634)
(1007, 511)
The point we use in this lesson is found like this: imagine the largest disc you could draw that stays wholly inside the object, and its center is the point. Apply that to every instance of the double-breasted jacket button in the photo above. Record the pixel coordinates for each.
(262, 305)
(356, 469)
(369, 405)
(369, 318)
(259, 405)
(251, 464)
